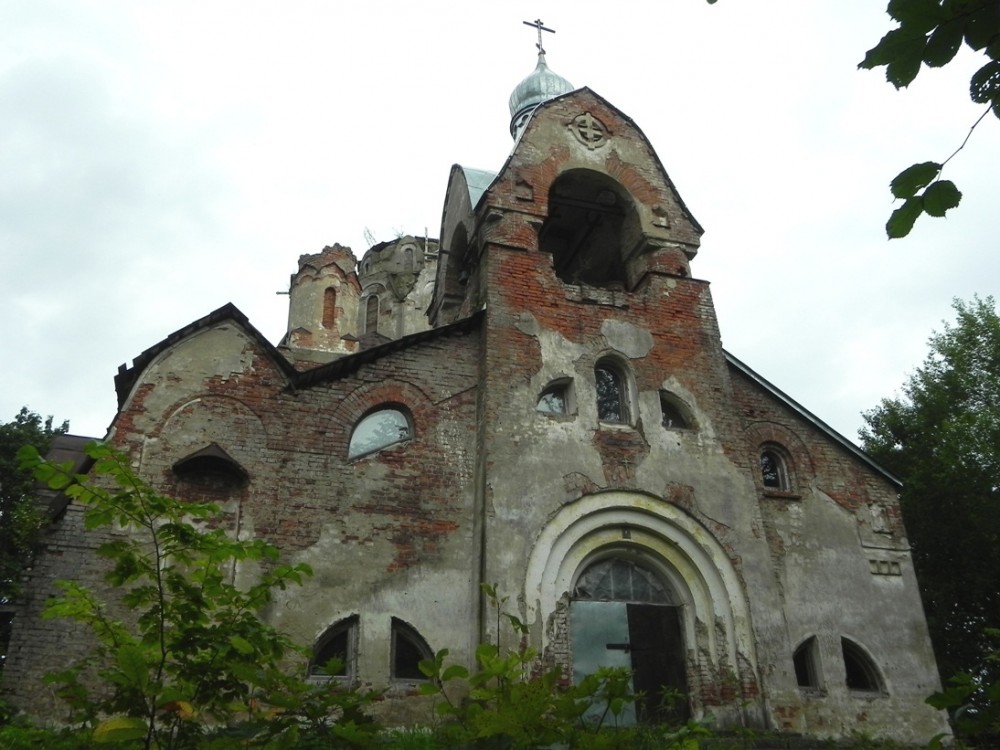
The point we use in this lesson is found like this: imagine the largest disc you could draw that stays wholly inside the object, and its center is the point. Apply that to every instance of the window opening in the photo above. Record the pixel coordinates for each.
(592, 221)
(334, 655)
(672, 416)
(211, 468)
(611, 394)
(861, 673)
(378, 430)
(408, 650)
(371, 315)
(554, 399)
(805, 659)
(773, 471)
(329, 307)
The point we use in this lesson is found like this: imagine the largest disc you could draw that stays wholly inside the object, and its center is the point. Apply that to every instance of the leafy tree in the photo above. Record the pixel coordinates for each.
(19, 517)
(931, 32)
(942, 439)
(180, 647)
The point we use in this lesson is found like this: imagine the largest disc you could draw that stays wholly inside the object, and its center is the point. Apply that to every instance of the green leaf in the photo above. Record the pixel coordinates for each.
(943, 44)
(455, 671)
(981, 26)
(120, 729)
(918, 15)
(985, 83)
(898, 44)
(132, 663)
(901, 221)
(900, 73)
(242, 645)
(941, 196)
(913, 178)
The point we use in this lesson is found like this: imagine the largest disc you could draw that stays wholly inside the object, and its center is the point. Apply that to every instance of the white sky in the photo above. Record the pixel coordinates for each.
(159, 159)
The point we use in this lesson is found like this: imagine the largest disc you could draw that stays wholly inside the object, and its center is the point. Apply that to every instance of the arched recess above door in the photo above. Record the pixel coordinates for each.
(682, 550)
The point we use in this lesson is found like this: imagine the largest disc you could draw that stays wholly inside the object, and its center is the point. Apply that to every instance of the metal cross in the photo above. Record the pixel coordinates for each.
(537, 23)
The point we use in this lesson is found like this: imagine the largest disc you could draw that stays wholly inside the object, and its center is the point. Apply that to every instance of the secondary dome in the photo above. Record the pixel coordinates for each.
(538, 87)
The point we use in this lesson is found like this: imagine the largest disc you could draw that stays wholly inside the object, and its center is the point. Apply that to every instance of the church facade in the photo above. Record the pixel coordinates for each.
(538, 400)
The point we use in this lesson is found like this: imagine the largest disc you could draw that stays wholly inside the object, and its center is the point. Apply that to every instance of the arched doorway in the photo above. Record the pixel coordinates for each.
(624, 614)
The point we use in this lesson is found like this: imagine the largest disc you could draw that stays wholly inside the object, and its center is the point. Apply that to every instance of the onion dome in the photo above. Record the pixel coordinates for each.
(538, 87)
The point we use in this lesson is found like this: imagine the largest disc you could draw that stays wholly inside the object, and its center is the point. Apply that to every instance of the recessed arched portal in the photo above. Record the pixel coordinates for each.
(710, 620)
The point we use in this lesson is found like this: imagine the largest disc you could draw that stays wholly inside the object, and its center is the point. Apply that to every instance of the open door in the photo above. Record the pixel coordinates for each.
(622, 615)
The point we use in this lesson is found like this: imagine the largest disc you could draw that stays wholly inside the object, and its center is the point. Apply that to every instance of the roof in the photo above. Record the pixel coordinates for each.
(478, 181)
(127, 376)
(818, 423)
(345, 366)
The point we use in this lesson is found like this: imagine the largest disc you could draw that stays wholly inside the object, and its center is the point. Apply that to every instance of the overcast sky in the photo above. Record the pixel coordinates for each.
(159, 159)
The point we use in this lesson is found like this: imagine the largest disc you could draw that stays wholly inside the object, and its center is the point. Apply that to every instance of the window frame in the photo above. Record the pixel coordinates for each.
(402, 629)
(348, 627)
(858, 662)
(806, 661)
(621, 374)
(782, 469)
(562, 386)
(668, 399)
(353, 455)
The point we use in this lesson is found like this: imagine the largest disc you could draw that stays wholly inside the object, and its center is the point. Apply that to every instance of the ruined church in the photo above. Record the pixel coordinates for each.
(539, 400)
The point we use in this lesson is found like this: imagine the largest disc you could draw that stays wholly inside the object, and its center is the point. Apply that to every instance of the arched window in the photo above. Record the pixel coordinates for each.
(378, 430)
(673, 417)
(806, 660)
(408, 650)
(329, 307)
(371, 314)
(861, 672)
(623, 614)
(773, 469)
(335, 654)
(612, 394)
(555, 399)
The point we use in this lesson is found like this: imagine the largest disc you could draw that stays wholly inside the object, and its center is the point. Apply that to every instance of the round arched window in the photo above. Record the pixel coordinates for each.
(378, 430)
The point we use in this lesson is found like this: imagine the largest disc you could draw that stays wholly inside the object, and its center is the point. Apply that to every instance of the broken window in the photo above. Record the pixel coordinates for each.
(672, 415)
(773, 470)
(806, 660)
(408, 650)
(336, 650)
(612, 396)
(554, 399)
(860, 671)
(379, 430)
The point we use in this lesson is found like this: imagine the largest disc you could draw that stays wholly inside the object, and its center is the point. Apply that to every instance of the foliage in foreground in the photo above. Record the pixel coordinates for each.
(182, 647)
(183, 661)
